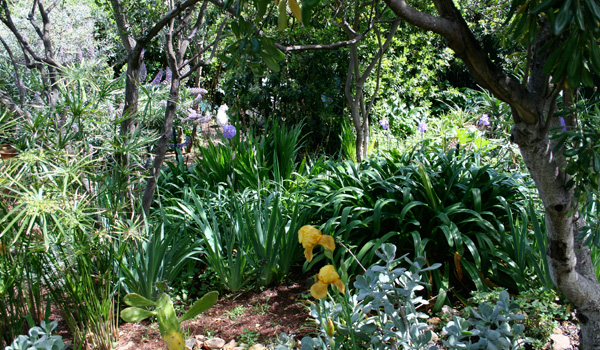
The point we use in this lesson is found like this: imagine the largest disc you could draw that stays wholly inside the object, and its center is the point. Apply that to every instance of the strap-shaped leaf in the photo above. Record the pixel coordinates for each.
(296, 11)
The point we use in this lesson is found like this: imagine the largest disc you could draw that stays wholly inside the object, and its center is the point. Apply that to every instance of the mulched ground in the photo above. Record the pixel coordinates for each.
(258, 314)
(262, 315)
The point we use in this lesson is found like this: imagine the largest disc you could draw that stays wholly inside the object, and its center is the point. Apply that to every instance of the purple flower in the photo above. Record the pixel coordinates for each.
(192, 116)
(563, 124)
(229, 131)
(91, 51)
(484, 120)
(168, 76)
(198, 90)
(158, 78)
(385, 123)
(37, 98)
(422, 126)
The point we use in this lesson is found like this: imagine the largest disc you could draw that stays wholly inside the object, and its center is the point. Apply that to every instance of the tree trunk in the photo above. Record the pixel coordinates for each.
(356, 121)
(163, 142)
(570, 262)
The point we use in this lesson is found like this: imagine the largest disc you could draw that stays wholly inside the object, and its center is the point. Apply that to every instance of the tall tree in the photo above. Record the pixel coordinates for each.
(180, 33)
(360, 107)
(562, 53)
(44, 61)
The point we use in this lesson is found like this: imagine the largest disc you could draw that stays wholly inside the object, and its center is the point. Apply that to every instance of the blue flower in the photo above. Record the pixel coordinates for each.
(422, 126)
(168, 76)
(229, 131)
(385, 123)
(484, 120)
(158, 78)
(563, 124)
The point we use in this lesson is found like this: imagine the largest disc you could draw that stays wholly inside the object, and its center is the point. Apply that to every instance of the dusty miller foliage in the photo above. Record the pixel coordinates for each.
(383, 313)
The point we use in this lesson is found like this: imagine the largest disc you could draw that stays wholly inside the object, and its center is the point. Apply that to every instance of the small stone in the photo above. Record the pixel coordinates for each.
(129, 346)
(257, 347)
(214, 343)
(434, 320)
(434, 337)
(447, 310)
(230, 346)
(560, 342)
(200, 337)
(193, 344)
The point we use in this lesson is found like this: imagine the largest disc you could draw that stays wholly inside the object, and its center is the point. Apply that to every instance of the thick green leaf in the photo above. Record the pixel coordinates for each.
(282, 15)
(270, 62)
(543, 6)
(261, 8)
(255, 44)
(206, 302)
(167, 318)
(594, 8)
(134, 299)
(135, 314)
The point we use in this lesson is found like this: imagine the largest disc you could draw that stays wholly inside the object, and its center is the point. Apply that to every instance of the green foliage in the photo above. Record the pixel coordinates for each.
(62, 209)
(236, 312)
(348, 140)
(168, 323)
(491, 327)
(247, 235)
(442, 203)
(39, 338)
(574, 25)
(581, 148)
(304, 92)
(158, 255)
(542, 308)
(253, 163)
(249, 337)
(380, 313)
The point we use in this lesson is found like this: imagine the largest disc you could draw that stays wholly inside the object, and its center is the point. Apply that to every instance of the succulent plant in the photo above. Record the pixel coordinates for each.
(168, 323)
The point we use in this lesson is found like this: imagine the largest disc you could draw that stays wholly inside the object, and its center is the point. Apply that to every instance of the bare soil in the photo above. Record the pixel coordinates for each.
(260, 314)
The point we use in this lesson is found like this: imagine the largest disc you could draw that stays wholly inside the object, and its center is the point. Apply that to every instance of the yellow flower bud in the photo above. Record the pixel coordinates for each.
(330, 328)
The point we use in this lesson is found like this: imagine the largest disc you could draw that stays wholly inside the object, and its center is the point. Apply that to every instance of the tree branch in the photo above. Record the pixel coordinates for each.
(18, 80)
(123, 25)
(455, 30)
(180, 7)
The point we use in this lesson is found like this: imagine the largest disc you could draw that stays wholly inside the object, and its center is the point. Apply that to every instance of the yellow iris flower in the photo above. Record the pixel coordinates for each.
(310, 237)
(327, 275)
